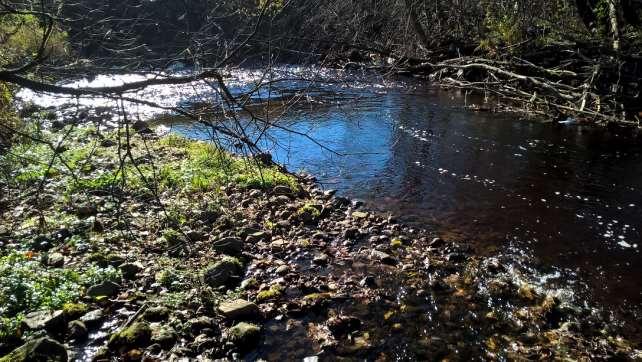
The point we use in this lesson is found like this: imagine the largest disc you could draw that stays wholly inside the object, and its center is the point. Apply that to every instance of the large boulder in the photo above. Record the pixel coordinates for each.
(43, 319)
(38, 350)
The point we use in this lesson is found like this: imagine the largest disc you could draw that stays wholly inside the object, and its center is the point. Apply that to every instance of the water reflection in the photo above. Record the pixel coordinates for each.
(572, 194)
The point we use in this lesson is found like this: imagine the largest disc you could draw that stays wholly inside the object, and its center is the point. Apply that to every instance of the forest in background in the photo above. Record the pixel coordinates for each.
(554, 58)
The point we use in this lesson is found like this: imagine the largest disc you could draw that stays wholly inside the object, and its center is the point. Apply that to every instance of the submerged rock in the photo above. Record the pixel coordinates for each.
(77, 330)
(42, 349)
(343, 325)
(93, 318)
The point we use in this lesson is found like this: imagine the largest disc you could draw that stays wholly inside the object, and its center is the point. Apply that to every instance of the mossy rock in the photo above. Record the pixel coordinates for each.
(245, 335)
(223, 272)
(138, 334)
(274, 292)
(74, 310)
(42, 349)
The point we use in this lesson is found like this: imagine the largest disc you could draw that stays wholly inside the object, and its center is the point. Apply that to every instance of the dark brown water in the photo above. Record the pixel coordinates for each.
(571, 195)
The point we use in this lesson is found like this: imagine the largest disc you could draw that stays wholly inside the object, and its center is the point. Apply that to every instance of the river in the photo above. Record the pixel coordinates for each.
(568, 195)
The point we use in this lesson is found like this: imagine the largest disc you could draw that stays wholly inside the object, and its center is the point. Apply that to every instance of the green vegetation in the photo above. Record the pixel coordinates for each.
(197, 166)
(275, 291)
(20, 36)
(26, 285)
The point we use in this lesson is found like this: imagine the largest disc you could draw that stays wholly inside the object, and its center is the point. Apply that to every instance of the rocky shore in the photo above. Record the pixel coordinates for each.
(216, 260)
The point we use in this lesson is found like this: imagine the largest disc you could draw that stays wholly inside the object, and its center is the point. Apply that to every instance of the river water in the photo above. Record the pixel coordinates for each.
(570, 195)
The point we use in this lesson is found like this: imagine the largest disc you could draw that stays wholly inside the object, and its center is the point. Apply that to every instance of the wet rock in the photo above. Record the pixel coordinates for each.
(51, 321)
(321, 259)
(93, 318)
(239, 309)
(437, 243)
(383, 257)
(282, 190)
(350, 233)
(245, 335)
(104, 289)
(165, 336)
(41, 349)
(203, 342)
(340, 326)
(77, 330)
(156, 314)
(369, 281)
(456, 257)
(61, 234)
(57, 125)
(130, 270)
(360, 215)
(137, 335)
(282, 270)
(198, 324)
(41, 243)
(86, 210)
(141, 126)
(223, 272)
(229, 245)
(55, 260)
(255, 237)
(439, 285)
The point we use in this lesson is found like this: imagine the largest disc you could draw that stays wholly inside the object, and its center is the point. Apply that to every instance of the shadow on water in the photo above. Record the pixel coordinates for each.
(570, 194)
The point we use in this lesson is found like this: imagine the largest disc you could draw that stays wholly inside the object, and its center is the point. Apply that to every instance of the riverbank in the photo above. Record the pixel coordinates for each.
(170, 247)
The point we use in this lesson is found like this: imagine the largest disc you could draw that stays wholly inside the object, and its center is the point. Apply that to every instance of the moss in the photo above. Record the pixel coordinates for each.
(317, 296)
(274, 292)
(245, 335)
(396, 243)
(104, 259)
(74, 310)
(136, 335)
(310, 209)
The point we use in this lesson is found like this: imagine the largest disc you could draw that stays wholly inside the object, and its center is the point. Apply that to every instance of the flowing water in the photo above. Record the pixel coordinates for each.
(571, 195)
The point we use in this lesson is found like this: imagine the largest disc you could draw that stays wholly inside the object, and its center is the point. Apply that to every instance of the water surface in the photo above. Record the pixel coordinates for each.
(571, 195)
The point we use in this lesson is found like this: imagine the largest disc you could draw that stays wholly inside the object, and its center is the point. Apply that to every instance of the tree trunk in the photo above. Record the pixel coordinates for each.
(614, 23)
(421, 33)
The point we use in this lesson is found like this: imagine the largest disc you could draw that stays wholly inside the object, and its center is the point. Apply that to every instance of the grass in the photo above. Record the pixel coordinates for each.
(193, 166)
